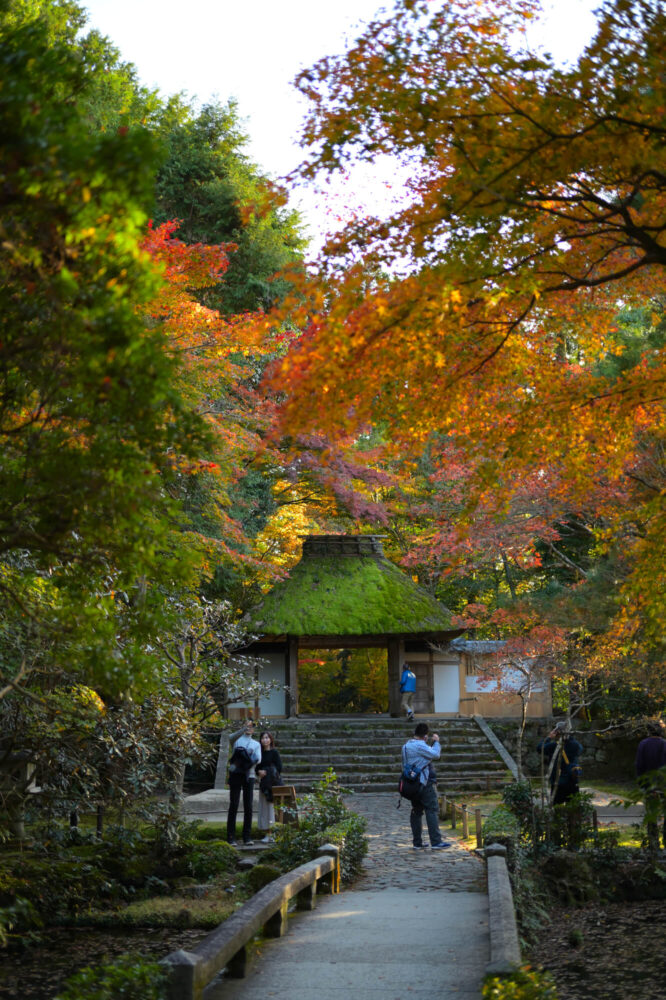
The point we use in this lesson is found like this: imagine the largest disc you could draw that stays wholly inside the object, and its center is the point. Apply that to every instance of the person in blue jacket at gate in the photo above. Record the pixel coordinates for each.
(407, 689)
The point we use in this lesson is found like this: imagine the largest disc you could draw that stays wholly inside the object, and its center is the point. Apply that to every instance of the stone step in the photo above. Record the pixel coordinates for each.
(398, 725)
(380, 753)
(365, 752)
(394, 739)
(475, 782)
(344, 766)
(375, 735)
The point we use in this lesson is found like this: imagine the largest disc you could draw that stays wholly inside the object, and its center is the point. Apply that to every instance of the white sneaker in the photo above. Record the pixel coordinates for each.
(267, 840)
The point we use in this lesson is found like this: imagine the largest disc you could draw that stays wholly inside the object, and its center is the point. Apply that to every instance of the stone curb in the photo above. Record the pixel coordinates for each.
(505, 955)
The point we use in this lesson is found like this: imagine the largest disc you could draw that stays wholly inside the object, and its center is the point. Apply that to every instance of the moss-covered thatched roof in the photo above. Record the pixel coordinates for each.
(344, 585)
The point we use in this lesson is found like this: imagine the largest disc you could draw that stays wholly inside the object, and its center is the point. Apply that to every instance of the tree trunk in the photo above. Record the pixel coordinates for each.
(519, 741)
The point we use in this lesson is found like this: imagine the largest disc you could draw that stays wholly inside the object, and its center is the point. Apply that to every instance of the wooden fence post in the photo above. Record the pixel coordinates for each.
(453, 815)
(463, 810)
(477, 822)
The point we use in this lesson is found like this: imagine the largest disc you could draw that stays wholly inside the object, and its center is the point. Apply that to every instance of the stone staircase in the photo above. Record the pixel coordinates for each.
(364, 752)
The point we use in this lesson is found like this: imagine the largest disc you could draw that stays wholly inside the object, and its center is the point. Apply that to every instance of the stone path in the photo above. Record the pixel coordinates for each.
(391, 863)
(414, 925)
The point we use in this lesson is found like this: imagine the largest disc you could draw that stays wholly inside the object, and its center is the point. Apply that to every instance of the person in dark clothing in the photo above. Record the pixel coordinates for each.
(269, 772)
(650, 760)
(561, 753)
(246, 753)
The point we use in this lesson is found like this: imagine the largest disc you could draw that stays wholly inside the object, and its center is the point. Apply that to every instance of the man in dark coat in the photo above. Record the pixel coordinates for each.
(651, 774)
(561, 752)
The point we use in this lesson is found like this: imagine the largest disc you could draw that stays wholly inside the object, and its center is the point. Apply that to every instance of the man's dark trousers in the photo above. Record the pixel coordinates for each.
(238, 782)
(426, 803)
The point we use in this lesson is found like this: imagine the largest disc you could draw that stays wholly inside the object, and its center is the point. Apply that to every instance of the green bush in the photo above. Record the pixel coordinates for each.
(524, 984)
(52, 885)
(16, 920)
(517, 796)
(349, 836)
(211, 831)
(323, 807)
(296, 845)
(129, 978)
(571, 823)
(501, 823)
(206, 859)
(261, 875)
(324, 818)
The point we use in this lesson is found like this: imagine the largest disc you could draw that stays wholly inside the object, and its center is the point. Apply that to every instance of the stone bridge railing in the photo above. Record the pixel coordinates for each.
(189, 972)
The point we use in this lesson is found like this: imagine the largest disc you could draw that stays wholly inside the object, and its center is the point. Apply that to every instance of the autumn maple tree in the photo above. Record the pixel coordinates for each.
(482, 309)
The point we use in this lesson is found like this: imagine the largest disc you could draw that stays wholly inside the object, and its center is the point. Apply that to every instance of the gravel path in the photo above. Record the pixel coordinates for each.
(392, 864)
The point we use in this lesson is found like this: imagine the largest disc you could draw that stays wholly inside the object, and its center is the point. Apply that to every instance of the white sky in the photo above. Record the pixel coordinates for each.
(252, 50)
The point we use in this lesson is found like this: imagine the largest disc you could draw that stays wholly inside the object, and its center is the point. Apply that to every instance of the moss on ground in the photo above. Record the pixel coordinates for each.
(169, 911)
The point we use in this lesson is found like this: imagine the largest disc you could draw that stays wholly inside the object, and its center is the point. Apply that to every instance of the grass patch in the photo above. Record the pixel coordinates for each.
(169, 911)
(618, 789)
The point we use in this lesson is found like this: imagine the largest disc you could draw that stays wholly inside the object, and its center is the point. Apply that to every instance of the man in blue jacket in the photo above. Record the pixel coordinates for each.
(407, 689)
(418, 754)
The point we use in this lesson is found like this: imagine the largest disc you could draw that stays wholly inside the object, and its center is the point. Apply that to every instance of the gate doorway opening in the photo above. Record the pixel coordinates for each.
(336, 681)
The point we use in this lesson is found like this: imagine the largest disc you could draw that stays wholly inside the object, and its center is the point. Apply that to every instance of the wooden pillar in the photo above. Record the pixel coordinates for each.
(393, 653)
(479, 828)
(292, 677)
(431, 683)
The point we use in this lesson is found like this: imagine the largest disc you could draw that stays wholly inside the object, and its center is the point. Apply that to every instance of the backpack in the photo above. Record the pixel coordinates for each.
(409, 784)
(240, 761)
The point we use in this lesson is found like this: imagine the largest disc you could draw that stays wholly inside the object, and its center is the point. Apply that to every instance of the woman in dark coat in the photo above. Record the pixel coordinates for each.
(269, 772)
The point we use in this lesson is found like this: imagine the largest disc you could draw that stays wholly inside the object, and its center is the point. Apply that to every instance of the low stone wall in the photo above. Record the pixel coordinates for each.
(605, 756)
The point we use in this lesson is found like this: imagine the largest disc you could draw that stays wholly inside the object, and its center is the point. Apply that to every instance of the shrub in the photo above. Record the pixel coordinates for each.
(16, 919)
(296, 845)
(52, 886)
(129, 978)
(524, 984)
(517, 796)
(206, 859)
(324, 817)
(571, 823)
(500, 823)
(323, 807)
(211, 831)
(261, 875)
(349, 836)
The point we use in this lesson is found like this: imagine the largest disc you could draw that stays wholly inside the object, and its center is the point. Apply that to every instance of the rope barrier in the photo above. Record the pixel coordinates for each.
(461, 810)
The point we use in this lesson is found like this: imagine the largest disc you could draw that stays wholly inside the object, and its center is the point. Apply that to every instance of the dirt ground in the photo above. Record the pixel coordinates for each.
(38, 973)
(612, 951)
